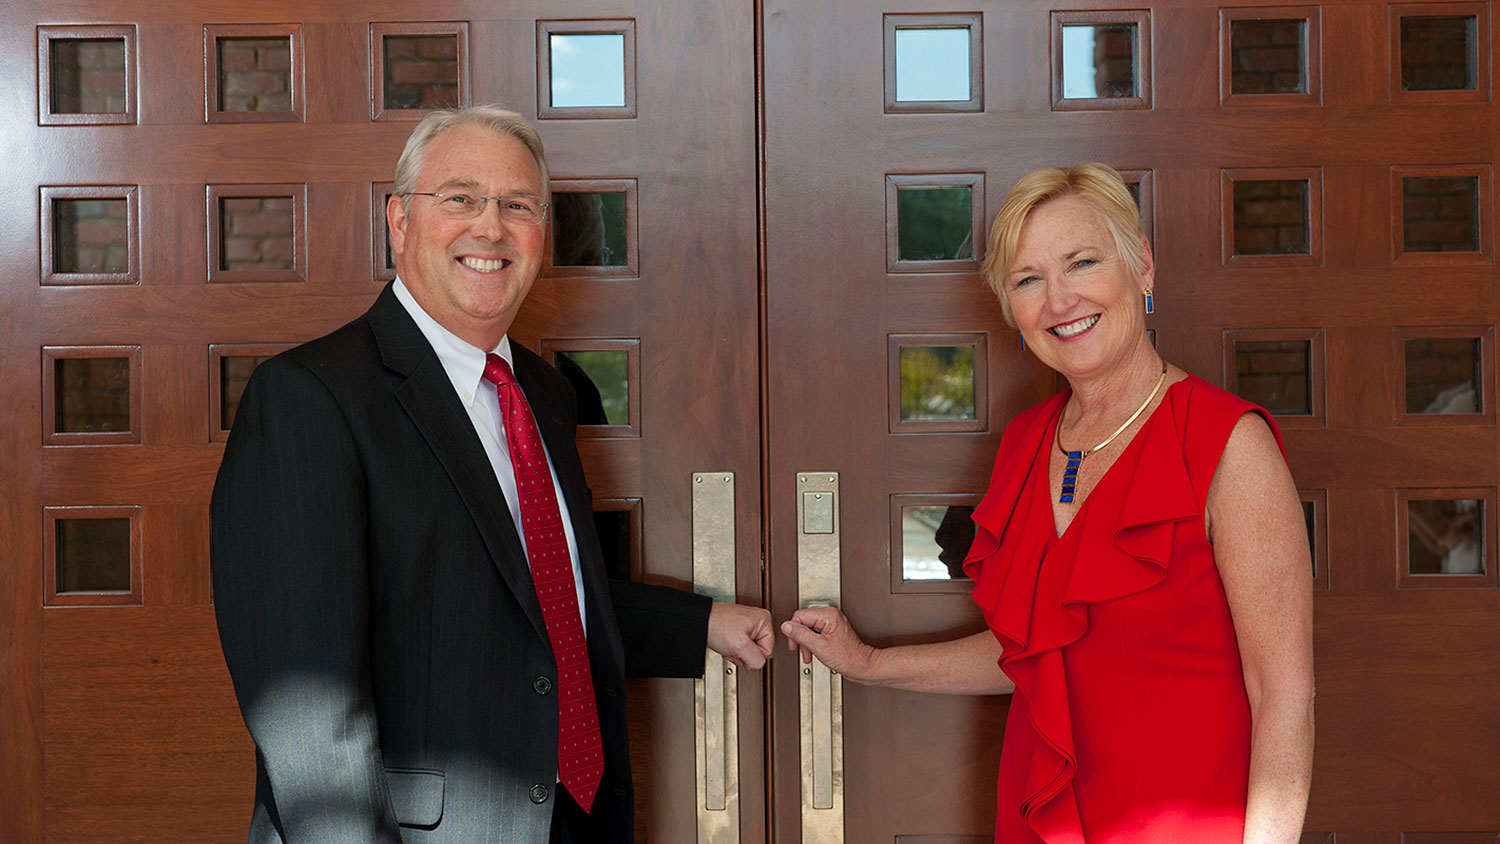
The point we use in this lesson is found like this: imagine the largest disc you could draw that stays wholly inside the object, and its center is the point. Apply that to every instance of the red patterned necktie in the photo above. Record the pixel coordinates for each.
(580, 754)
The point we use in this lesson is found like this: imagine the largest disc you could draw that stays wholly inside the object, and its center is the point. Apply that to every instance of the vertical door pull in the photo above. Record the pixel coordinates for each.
(821, 698)
(714, 697)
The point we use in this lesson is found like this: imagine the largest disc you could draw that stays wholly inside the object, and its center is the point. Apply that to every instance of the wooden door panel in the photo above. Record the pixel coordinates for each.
(1402, 671)
(122, 726)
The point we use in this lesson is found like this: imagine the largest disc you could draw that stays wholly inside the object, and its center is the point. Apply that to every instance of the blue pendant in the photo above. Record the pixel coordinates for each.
(1070, 477)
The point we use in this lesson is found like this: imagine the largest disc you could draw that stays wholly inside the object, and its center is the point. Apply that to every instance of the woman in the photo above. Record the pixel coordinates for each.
(1140, 558)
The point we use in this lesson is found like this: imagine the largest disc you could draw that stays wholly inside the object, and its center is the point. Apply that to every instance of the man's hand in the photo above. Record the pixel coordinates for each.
(743, 635)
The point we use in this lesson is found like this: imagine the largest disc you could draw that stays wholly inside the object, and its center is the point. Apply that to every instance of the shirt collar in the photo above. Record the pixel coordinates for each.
(463, 362)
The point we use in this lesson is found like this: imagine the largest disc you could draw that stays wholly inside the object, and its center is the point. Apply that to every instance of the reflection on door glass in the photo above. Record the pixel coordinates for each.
(1275, 374)
(1439, 53)
(601, 379)
(421, 71)
(937, 383)
(1442, 375)
(588, 229)
(934, 541)
(255, 74)
(1268, 56)
(1098, 60)
(932, 64)
(257, 233)
(92, 395)
(588, 70)
(90, 236)
(935, 222)
(88, 76)
(234, 374)
(1440, 214)
(93, 555)
(1445, 536)
(1271, 217)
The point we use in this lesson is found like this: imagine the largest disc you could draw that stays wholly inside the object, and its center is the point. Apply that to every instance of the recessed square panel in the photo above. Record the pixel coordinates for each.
(382, 257)
(91, 556)
(1270, 217)
(934, 63)
(90, 395)
(1440, 214)
(421, 71)
(1101, 60)
(89, 235)
(934, 222)
(254, 72)
(618, 522)
(606, 377)
(1275, 375)
(938, 382)
(1273, 217)
(608, 372)
(1445, 536)
(85, 75)
(418, 67)
(1440, 52)
(1268, 56)
(93, 395)
(594, 225)
(230, 366)
(1279, 369)
(256, 233)
(586, 68)
(930, 536)
(1443, 375)
(589, 229)
(1140, 184)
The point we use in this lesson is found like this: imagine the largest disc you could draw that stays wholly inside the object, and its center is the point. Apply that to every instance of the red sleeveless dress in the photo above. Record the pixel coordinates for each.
(1130, 722)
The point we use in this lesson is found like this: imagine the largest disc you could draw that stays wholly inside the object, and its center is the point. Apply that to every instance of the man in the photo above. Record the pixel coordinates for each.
(411, 597)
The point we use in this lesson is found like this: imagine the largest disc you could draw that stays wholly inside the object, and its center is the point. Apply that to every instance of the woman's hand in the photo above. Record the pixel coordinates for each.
(825, 633)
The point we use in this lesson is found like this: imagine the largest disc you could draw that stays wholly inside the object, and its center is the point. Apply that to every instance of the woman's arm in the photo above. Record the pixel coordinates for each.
(966, 666)
(1260, 545)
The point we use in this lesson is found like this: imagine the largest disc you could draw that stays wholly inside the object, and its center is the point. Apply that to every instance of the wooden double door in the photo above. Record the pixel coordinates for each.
(785, 287)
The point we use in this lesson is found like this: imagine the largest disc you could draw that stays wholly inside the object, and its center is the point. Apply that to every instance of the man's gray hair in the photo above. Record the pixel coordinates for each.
(492, 117)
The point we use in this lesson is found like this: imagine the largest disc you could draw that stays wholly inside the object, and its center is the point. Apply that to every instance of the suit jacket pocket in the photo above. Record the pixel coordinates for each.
(417, 796)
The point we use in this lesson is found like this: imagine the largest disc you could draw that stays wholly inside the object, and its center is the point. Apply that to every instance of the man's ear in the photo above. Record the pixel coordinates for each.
(395, 221)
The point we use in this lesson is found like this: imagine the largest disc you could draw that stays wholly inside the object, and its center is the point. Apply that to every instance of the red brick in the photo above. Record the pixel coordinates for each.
(236, 54)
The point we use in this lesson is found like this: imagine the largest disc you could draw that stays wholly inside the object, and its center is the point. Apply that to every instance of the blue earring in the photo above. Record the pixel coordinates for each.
(1150, 302)
(1023, 342)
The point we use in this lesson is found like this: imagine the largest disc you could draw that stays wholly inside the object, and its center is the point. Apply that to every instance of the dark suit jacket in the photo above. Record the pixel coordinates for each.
(377, 612)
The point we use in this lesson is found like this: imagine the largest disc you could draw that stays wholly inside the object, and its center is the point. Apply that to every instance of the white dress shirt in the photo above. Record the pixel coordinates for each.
(464, 364)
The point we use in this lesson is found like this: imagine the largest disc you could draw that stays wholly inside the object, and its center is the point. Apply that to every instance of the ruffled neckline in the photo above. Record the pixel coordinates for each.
(1036, 601)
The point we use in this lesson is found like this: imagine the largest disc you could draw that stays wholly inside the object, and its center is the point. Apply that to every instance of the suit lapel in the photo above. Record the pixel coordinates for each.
(427, 395)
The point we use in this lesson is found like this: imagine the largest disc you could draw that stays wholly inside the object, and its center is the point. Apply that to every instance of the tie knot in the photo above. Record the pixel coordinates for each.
(497, 371)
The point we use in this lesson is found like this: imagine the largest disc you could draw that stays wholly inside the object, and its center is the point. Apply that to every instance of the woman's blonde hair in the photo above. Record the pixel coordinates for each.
(1098, 184)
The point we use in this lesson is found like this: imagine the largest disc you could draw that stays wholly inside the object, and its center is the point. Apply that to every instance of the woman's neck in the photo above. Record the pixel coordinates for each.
(1105, 400)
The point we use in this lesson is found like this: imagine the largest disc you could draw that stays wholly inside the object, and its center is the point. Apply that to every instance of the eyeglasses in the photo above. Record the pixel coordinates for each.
(521, 208)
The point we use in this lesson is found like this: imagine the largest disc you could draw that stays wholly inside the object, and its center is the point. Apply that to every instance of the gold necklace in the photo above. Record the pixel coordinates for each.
(1075, 458)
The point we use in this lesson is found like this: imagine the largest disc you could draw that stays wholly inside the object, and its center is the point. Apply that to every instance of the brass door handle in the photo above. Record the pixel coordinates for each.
(715, 701)
(821, 698)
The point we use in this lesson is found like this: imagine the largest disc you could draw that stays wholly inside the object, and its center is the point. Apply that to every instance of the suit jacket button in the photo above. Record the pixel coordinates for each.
(539, 794)
(541, 685)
